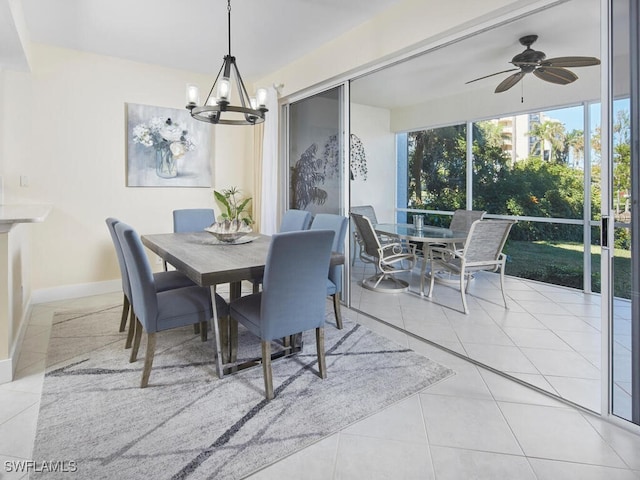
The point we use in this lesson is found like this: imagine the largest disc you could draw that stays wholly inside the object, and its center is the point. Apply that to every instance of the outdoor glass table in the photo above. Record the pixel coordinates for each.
(426, 235)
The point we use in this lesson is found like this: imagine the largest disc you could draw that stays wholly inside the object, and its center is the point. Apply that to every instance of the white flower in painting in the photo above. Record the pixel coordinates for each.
(171, 132)
(162, 133)
(177, 149)
(142, 135)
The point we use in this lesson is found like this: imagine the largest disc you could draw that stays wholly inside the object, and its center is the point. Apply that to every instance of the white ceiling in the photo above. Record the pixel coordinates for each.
(572, 28)
(192, 34)
(266, 35)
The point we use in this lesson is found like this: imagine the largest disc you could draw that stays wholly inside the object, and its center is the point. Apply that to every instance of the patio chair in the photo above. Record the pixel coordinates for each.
(389, 258)
(462, 220)
(158, 311)
(293, 298)
(369, 212)
(337, 223)
(482, 251)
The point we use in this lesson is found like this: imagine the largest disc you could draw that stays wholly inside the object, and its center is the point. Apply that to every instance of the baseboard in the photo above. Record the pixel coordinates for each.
(67, 292)
(6, 370)
(9, 365)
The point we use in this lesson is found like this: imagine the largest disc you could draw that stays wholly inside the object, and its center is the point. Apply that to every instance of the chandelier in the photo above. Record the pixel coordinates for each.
(217, 107)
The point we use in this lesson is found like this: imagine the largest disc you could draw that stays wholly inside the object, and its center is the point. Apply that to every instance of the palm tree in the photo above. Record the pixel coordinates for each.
(549, 132)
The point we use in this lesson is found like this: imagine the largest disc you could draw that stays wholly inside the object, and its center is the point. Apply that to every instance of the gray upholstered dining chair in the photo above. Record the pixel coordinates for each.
(292, 221)
(293, 297)
(482, 251)
(389, 259)
(193, 219)
(159, 311)
(337, 223)
(163, 281)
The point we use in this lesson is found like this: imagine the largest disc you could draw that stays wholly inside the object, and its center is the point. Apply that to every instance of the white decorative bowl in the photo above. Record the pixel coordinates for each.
(229, 231)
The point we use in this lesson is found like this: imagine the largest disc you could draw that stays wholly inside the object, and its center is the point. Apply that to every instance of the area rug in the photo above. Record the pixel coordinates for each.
(188, 423)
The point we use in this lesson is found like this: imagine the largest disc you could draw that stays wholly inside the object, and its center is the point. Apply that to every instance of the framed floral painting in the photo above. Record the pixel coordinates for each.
(167, 148)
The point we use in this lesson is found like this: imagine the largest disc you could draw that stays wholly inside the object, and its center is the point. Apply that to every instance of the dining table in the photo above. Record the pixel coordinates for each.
(209, 262)
(427, 235)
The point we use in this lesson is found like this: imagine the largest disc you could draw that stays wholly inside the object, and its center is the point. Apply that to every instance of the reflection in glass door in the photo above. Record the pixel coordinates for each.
(315, 153)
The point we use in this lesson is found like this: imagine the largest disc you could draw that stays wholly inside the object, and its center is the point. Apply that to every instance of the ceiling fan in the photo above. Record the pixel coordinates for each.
(548, 69)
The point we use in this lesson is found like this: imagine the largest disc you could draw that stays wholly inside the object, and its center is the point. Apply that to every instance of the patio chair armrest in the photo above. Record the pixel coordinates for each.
(440, 253)
(395, 249)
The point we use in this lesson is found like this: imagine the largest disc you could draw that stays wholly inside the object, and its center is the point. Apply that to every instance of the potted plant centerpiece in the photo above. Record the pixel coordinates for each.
(236, 217)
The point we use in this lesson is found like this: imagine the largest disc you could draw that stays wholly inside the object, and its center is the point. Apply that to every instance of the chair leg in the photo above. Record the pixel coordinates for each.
(322, 364)
(336, 309)
(431, 277)
(463, 291)
(132, 328)
(148, 359)
(136, 342)
(256, 287)
(196, 328)
(202, 327)
(125, 314)
(504, 297)
(266, 369)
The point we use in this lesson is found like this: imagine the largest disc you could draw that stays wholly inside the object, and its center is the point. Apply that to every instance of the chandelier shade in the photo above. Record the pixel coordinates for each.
(218, 107)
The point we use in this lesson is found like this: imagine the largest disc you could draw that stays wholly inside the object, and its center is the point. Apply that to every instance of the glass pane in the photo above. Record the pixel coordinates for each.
(622, 355)
(315, 153)
(531, 165)
(437, 168)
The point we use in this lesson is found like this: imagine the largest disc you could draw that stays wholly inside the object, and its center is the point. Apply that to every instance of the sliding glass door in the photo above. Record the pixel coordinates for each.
(316, 153)
(621, 216)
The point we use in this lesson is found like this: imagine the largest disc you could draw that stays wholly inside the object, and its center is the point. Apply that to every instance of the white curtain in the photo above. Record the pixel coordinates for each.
(269, 198)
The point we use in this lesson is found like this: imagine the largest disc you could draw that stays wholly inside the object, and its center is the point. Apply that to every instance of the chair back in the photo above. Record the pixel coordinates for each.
(193, 219)
(126, 287)
(294, 288)
(367, 235)
(143, 289)
(294, 220)
(337, 223)
(366, 211)
(486, 240)
(463, 219)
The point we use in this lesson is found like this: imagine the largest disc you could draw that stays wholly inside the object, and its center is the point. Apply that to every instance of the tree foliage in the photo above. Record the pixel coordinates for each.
(535, 186)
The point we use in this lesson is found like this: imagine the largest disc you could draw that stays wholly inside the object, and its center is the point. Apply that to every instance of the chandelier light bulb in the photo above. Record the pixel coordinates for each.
(224, 89)
(193, 94)
(261, 96)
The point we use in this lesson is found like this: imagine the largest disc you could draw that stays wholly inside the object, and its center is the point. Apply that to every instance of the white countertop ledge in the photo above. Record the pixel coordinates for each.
(13, 214)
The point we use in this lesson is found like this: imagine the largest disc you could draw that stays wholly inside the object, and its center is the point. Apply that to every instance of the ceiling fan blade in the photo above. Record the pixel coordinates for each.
(558, 75)
(570, 62)
(492, 75)
(509, 82)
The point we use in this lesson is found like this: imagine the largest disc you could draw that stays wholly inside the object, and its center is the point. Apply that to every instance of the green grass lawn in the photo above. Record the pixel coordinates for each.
(562, 264)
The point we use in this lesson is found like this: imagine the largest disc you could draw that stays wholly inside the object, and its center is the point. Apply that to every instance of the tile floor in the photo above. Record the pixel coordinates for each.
(549, 336)
(475, 424)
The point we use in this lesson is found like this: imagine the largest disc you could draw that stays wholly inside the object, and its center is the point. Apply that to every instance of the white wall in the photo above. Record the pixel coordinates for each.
(372, 126)
(64, 128)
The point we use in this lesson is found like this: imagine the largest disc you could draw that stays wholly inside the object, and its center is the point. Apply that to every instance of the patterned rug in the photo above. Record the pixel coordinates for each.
(188, 423)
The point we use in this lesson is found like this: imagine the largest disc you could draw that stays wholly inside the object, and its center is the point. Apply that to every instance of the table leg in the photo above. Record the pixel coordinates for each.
(235, 292)
(425, 257)
(215, 328)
